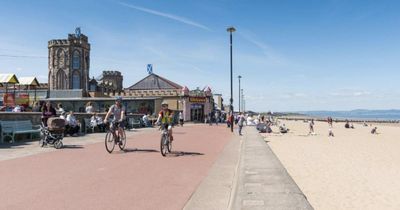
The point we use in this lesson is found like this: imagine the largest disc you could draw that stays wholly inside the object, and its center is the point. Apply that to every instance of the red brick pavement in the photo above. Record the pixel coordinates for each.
(87, 177)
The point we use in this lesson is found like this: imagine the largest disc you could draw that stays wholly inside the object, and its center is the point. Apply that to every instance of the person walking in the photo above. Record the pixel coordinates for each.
(241, 119)
(311, 125)
(216, 116)
(181, 118)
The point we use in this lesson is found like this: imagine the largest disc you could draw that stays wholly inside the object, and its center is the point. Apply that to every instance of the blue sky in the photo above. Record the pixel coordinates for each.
(293, 55)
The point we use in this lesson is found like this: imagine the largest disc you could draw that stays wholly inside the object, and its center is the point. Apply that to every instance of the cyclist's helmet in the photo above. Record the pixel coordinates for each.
(118, 98)
(164, 103)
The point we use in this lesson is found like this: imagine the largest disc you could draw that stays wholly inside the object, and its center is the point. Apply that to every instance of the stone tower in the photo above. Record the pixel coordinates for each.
(69, 61)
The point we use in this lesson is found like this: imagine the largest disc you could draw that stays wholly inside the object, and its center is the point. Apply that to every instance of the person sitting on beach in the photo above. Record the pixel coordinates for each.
(347, 125)
(283, 129)
(351, 126)
(374, 130)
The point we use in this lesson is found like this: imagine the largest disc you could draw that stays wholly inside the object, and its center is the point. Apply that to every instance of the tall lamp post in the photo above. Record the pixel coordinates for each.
(231, 30)
(239, 77)
(242, 98)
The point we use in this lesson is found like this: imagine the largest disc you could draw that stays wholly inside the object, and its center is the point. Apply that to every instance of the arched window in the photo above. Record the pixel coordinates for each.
(61, 80)
(76, 80)
(92, 87)
(76, 60)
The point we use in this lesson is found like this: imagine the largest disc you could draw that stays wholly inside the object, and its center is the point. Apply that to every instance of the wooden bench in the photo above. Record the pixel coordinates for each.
(11, 128)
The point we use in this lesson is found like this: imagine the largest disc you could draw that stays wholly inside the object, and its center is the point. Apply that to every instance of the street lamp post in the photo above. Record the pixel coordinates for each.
(242, 99)
(239, 77)
(231, 30)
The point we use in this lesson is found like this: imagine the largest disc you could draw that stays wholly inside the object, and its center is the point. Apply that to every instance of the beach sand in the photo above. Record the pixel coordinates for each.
(353, 170)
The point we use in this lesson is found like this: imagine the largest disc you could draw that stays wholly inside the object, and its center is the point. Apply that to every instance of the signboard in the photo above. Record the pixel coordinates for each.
(23, 99)
(8, 99)
(197, 99)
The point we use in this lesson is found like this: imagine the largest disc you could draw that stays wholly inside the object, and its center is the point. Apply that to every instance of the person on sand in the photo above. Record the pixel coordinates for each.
(330, 133)
(374, 130)
(330, 121)
(311, 125)
(283, 129)
(347, 125)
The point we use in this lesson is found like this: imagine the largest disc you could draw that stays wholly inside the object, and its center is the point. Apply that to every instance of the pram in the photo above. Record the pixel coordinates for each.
(53, 134)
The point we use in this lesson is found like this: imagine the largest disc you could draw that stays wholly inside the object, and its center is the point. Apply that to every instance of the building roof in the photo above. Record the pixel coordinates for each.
(28, 81)
(8, 78)
(154, 82)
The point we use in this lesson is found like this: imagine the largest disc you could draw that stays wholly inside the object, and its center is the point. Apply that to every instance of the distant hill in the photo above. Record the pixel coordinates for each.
(391, 114)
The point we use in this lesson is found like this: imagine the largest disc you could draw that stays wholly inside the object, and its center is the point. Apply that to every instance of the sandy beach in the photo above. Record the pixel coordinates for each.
(353, 170)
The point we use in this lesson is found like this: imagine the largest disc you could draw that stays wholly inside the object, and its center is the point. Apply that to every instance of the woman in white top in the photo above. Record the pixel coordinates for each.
(89, 107)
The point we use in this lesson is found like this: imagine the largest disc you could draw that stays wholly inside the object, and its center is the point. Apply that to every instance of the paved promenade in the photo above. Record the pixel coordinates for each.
(248, 175)
(210, 168)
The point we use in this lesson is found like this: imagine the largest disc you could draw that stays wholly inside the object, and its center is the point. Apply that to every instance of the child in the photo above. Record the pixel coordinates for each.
(331, 133)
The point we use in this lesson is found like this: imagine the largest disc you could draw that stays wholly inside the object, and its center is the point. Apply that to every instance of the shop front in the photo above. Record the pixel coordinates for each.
(197, 112)
(196, 105)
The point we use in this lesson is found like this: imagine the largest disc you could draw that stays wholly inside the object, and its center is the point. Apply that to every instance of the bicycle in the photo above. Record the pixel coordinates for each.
(113, 138)
(165, 144)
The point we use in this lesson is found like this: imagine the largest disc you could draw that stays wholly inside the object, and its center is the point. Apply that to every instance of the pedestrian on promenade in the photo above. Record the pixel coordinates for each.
(47, 112)
(240, 123)
(216, 117)
(181, 118)
(228, 120)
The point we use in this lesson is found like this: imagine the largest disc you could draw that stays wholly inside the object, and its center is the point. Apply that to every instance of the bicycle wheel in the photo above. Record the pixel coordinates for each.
(163, 145)
(109, 142)
(169, 145)
(122, 140)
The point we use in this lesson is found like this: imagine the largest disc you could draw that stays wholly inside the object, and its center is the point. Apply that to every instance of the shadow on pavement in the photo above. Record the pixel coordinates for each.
(17, 145)
(72, 147)
(140, 150)
(181, 153)
(175, 132)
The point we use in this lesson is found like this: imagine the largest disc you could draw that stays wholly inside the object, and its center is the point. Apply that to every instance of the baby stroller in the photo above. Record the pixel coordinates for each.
(53, 134)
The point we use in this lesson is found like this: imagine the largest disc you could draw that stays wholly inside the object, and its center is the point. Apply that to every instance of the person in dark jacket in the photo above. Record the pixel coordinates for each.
(47, 112)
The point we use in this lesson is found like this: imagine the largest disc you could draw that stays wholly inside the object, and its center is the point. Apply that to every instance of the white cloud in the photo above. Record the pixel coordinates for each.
(166, 15)
(350, 93)
(268, 51)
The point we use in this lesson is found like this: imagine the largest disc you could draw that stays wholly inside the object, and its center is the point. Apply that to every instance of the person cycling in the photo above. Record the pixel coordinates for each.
(118, 111)
(165, 117)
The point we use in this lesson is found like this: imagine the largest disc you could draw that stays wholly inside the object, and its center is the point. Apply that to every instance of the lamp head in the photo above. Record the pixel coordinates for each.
(231, 29)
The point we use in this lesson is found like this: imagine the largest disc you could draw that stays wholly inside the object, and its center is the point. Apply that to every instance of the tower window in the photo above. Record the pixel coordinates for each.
(76, 80)
(76, 60)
